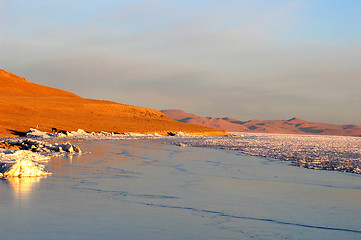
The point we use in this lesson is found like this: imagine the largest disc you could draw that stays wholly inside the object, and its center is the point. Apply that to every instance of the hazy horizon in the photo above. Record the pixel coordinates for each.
(242, 59)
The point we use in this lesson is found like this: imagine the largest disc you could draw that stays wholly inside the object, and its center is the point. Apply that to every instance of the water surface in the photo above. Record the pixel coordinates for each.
(148, 190)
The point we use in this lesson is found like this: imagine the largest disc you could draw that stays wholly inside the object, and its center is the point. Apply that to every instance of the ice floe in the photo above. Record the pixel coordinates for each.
(22, 163)
(32, 157)
(39, 146)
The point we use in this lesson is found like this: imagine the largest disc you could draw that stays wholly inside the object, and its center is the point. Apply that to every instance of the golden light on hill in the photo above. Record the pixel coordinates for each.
(26, 105)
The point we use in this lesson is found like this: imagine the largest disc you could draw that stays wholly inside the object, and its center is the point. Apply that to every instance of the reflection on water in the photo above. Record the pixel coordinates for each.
(22, 187)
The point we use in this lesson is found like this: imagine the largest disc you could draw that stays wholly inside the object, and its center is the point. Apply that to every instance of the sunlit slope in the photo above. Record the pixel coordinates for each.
(26, 105)
(15, 86)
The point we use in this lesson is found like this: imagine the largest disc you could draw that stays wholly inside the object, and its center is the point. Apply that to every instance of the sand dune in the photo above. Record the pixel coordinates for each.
(290, 126)
(26, 105)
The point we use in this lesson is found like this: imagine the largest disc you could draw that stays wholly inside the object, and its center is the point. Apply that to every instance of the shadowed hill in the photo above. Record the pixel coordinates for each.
(290, 126)
(26, 105)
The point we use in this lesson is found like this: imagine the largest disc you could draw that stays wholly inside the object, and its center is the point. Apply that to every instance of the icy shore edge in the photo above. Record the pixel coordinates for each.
(331, 153)
(29, 157)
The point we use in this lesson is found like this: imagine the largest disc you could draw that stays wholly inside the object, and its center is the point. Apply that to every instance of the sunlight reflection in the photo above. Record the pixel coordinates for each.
(23, 187)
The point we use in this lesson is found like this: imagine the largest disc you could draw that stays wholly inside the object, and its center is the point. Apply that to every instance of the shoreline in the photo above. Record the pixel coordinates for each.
(28, 157)
(306, 151)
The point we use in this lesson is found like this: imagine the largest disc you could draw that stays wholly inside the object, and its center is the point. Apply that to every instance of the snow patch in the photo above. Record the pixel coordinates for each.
(332, 153)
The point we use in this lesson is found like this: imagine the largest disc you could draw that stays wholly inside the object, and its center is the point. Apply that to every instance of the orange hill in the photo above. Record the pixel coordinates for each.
(291, 126)
(26, 105)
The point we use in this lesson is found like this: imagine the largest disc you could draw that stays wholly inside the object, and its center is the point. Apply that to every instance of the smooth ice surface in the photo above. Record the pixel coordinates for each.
(147, 190)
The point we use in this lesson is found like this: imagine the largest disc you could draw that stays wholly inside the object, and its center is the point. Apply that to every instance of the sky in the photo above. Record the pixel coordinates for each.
(246, 59)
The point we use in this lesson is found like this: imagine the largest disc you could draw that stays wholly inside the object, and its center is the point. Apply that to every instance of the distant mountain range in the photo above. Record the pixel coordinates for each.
(290, 126)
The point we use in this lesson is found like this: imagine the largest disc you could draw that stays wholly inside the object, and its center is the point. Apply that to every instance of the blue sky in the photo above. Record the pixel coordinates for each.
(244, 59)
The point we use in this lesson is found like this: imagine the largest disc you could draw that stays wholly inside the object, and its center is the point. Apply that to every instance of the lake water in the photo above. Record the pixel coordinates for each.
(144, 189)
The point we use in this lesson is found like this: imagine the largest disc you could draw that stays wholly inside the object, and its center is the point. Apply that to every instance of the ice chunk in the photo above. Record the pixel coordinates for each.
(30, 161)
(34, 133)
(22, 163)
(81, 131)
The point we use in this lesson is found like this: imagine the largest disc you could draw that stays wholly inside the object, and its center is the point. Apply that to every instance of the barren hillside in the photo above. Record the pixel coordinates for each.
(26, 105)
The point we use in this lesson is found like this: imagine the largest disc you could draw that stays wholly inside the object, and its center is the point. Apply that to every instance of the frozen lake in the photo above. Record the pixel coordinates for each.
(127, 189)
